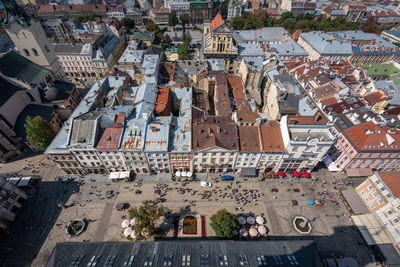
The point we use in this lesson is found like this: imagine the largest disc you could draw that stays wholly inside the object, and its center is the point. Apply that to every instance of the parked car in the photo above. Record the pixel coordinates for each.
(227, 178)
(205, 184)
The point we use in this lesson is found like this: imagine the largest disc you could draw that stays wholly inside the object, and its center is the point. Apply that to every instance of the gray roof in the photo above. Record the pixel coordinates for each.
(84, 129)
(160, 252)
(14, 65)
(250, 50)
(267, 34)
(62, 49)
(288, 49)
(326, 43)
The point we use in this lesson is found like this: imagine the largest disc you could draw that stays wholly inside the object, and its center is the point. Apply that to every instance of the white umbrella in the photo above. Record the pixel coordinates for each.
(178, 173)
(243, 232)
(127, 231)
(253, 232)
(144, 232)
(262, 230)
(125, 223)
(241, 220)
(260, 220)
(250, 220)
(133, 221)
(235, 232)
(133, 234)
(189, 174)
(184, 174)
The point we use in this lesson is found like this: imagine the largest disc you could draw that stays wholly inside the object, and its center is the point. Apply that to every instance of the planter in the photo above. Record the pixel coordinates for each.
(302, 225)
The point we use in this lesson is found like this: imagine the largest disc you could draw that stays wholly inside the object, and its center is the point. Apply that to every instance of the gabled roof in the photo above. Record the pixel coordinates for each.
(216, 22)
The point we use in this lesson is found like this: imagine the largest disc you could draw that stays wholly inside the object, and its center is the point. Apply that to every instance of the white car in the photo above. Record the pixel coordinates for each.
(205, 184)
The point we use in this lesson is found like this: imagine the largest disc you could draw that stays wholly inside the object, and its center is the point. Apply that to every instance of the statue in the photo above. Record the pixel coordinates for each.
(16, 13)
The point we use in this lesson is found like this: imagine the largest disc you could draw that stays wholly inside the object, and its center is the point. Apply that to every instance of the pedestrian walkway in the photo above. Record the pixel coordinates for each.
(105, 219)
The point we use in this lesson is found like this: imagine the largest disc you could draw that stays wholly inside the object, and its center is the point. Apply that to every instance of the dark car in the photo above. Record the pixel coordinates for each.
(227, 178)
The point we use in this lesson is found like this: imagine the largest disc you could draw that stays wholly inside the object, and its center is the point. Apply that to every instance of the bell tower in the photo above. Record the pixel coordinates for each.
(29, 38)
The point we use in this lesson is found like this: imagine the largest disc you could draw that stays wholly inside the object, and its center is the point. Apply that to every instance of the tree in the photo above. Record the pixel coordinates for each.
(223, 223)
(129, 24)
(186, 38)
(152, 27)
(38, 132)
(163, 57)
(172, 19)
(184, 20)
(237, 23)
(146, 217)
(183, 51)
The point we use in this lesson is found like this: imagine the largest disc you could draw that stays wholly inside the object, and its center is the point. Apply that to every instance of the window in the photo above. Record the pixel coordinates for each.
(396, 220)
(372, 206)
(47, 49)
(380, 201)
(398, 208)
(35, 52)
(26, 53)
(363, 192)
(368, 199)
(370, 187)
(390, 212)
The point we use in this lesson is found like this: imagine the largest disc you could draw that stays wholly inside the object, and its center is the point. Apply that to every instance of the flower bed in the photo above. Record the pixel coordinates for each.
(189, 225)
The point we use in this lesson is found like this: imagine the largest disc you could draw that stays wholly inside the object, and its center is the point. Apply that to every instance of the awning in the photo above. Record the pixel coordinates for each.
(296, 174)
(307, 174)
(13, 180)
(249, 172)
(355, 202)
(281, 173)
(359, 172)
(119, 175)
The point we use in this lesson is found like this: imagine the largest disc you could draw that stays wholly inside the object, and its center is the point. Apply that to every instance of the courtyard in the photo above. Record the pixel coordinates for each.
(43, 223)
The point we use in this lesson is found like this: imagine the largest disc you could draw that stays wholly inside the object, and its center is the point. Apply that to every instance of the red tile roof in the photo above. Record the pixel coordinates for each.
(329, 101)
(375, 97)
(162, 101)
(216, 22)
(370, 136)
(72, 8)
(392, 181)
(271, 137)
(249, 138)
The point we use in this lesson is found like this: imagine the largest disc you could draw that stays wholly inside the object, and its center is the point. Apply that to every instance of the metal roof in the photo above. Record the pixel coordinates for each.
(192, 253)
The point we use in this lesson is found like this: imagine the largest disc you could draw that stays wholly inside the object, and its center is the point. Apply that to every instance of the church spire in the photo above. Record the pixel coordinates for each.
(15, 13)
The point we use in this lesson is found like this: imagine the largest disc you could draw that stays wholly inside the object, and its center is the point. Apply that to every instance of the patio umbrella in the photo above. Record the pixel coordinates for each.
(296, 174)
(241, 220)
(184, 174)
(307, 174)
(125, 223)
(133, 221)
(281, 173)
(311, 202)
(127, 231)
(235, 232)
(189, 174)
(262, 230)
(260, 220)
(250, 220)
(133, 235)
(178, 173)
(253, 232)
(243, 232)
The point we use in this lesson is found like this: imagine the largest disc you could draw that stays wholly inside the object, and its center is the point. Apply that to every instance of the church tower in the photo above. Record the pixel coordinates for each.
(29, 38)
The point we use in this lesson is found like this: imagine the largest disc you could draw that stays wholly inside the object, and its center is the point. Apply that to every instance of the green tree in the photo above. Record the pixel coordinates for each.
(129, 24)
(183, 51)
(146, 217)
(172, 19)
(184, 20)
(237, 23)
(163, 57)
(152, 27)
(223, 223)
(38, 132)
(186, 38)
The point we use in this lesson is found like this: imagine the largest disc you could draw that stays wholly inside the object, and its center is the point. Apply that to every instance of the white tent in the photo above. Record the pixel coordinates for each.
(262, 230)
(133, 221)
(260, 220)
(127, 231)
(253, 232)
(241, 220)
(184, 174)
(119, 175)
(133, 234)
(178, 173)
(250, 220)
(189, 174)
(24, 181)
(125, 223)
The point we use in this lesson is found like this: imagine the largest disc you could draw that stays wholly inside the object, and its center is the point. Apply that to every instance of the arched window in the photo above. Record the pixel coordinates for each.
(47, 49)
(24, 35)
(26, 53)
(35, 52)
